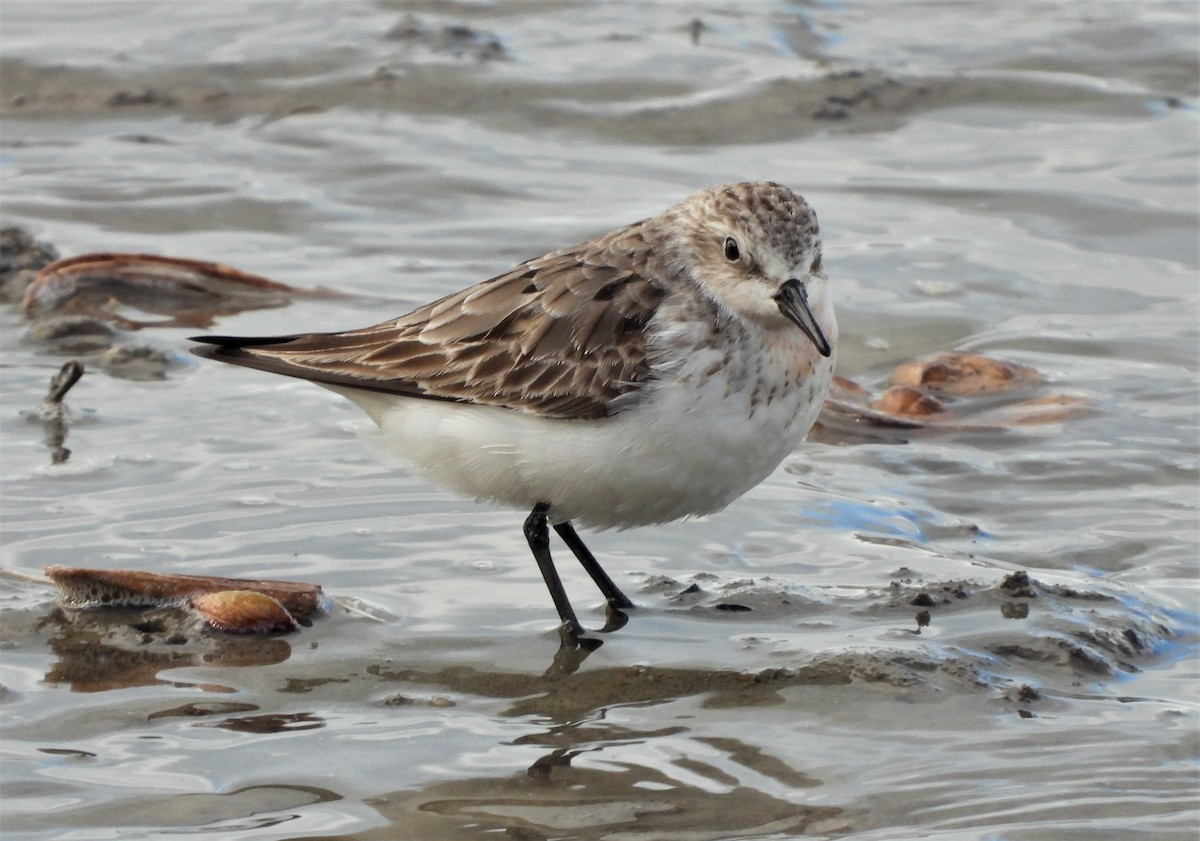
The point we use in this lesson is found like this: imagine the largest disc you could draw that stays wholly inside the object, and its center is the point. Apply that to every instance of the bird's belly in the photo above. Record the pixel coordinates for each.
(683, 451)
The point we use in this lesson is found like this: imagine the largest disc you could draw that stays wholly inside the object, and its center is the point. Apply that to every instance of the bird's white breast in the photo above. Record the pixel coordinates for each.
(694, 440)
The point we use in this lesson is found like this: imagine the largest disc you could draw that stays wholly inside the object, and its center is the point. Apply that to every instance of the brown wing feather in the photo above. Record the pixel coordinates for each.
(561, 336)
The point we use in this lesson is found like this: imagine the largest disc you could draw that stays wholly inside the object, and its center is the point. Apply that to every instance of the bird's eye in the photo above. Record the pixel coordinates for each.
(732, 254)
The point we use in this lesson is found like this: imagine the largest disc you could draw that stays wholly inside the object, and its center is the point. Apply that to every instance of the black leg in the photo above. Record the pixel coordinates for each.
(616, 599)
(538, 535)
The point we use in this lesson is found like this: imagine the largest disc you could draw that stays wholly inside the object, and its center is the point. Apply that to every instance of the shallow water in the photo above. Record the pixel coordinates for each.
(1016, 180)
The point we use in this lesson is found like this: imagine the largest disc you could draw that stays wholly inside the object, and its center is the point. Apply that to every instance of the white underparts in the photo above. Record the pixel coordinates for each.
(692, 442)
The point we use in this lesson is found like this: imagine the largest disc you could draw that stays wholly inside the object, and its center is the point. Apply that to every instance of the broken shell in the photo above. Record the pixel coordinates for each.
(193, 292)
(963, 373)
(72, 333)
(84, 588)
(847, 391)
(1037, 411)
(243, 612)
(140, 363)
(907, 402)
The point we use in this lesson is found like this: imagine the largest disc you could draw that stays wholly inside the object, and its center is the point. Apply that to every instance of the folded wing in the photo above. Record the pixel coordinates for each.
(561, 336)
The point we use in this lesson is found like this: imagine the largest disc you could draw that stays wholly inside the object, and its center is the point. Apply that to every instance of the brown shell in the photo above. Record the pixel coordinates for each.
(243, 612)
(193, 291)
(963, 372)
(84, 588)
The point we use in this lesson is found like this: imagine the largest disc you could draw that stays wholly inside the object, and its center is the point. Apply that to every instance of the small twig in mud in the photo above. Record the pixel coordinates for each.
(53, 412)
(60, 384)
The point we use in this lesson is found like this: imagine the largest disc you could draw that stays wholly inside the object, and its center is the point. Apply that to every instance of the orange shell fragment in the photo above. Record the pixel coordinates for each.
(243, 612)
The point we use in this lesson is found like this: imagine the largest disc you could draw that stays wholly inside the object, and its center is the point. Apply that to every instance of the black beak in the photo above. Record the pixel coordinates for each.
(792, 298)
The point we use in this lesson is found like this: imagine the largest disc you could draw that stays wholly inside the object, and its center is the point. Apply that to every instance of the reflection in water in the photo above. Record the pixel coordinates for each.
(116, 648)
(563, 800)
(224, 814)
(268, 723)
(201, 709)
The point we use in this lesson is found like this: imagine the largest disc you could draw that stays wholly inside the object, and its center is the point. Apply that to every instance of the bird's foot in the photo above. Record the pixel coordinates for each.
(574, 636)
(615, 618)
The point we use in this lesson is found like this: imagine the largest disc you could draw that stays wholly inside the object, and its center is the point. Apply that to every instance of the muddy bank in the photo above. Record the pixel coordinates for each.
(844, 100)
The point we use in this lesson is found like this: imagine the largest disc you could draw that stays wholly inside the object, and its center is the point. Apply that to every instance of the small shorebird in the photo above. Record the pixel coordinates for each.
(655, 373)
